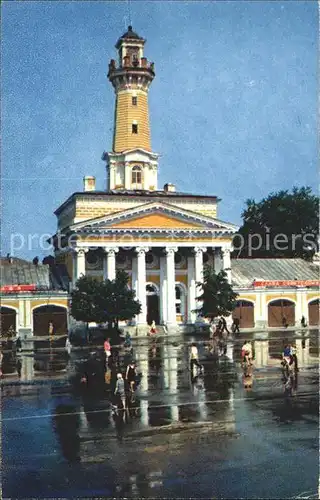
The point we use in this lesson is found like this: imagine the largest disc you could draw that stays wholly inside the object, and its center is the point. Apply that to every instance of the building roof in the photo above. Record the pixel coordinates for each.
(136, 193)
(245, 271)
(23, 272)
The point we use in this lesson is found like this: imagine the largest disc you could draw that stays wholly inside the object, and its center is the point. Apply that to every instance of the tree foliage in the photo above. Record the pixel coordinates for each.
(294, 216)
(104, 301)
(217, 296)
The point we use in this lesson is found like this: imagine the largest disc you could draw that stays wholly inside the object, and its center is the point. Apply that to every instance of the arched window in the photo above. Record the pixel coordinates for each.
(136, 175)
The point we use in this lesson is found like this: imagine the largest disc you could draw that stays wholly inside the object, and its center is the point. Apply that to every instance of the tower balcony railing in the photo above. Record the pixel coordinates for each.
(131, 63)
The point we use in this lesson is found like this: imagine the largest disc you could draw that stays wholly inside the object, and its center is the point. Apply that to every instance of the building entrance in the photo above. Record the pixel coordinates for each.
(152, 304)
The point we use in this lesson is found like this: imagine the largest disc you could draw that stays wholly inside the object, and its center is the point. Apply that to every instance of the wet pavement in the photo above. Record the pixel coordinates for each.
(181, 436)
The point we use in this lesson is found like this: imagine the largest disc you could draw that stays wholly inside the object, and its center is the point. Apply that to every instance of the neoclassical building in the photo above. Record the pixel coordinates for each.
(160, 236)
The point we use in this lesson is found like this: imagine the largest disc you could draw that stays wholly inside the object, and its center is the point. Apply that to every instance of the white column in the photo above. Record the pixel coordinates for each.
(191, 291)
(110, 265)
(112, 176)
(217, 260)
(105, 264)
(226, 262)
(74, 268)
(141, 285)
(163, 291)
(20, 324)
(134, 277)
(260, 310)
(171, 285)
(198, 251)
(127, 175)
(302, 308)
(81, 262)
(145, 179)
(198, 268)
(27, 306)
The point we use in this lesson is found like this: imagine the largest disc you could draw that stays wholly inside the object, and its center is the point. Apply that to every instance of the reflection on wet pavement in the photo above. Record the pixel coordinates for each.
(182, 435)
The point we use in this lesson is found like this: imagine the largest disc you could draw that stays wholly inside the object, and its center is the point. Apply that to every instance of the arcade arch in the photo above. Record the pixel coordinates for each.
(244, 311)
(8, 319)
(313, 310)
(280, 309)
(44, 314)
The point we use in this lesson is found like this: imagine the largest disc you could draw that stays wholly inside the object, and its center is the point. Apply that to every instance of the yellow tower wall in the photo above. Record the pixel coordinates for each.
(127, 114)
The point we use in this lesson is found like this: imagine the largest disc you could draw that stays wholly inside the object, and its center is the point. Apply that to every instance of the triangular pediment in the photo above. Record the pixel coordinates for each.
(155, 216)
(157, 220)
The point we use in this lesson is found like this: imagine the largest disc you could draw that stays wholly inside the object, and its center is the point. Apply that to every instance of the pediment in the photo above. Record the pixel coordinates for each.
(157, 221)
(155, 216)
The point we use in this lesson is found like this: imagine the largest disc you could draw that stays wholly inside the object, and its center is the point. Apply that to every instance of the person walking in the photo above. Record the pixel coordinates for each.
(303, 322)
(107, 350)
(68, 346)
(295, 358)
(152, 330)
(131, 376)
(120, 391)
(19, 367)
(50, 329)
(1, 359)
(236, 325)
(246, 350)
(18, 343)
(194, 358)
(224, 327)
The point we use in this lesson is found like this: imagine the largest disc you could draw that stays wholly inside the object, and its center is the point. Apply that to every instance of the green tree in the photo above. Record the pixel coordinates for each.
(217, 296)
(121, 305)
(84, 306)
(104, 301)
(284, 224)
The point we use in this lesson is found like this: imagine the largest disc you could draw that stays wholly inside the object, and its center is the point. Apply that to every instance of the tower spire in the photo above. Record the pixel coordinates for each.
(129, 12)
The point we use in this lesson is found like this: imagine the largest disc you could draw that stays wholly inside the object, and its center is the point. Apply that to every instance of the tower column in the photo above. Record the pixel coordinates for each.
(127, 176)
(141, 283)
(171, 285)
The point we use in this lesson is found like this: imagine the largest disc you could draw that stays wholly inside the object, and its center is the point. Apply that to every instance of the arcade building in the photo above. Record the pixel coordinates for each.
(160, 236)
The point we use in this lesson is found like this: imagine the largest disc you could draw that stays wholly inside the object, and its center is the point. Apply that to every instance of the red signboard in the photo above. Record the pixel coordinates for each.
(18, 288)
(286, 283)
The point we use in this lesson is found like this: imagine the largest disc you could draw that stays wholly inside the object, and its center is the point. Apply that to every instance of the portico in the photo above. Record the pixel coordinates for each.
(173, 270)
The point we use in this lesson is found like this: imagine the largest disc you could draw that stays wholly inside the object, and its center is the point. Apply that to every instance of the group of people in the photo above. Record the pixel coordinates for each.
(130, 380)
(218, 335)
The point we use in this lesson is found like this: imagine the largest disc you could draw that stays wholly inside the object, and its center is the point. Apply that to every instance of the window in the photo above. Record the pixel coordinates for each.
(134, 101)
(136, 177)
(134, 128)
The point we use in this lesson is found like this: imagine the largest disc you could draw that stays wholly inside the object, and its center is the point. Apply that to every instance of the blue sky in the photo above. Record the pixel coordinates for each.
(233, 105)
